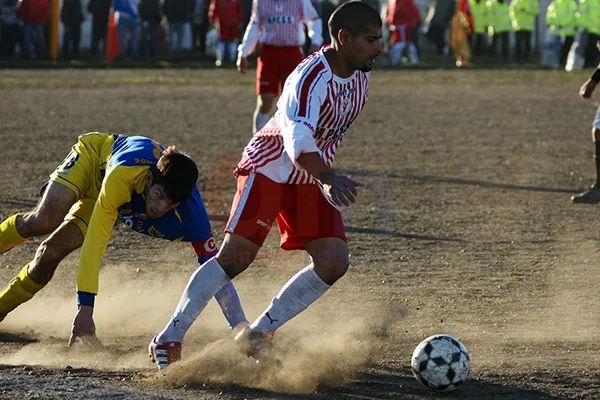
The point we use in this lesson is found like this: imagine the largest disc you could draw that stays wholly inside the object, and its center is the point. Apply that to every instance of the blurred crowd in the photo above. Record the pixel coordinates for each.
(499, 31)
(561, 32)
(146, 28)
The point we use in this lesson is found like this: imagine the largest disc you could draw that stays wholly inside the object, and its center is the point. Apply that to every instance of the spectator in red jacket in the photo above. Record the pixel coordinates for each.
(227, 16)
(402, 16)
(34, 14)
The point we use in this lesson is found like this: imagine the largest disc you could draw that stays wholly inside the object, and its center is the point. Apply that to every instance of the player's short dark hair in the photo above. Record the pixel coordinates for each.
(356, 16)
(177, 172)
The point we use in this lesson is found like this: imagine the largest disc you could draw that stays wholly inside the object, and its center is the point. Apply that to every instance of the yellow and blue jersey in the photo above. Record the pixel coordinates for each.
(109, 174)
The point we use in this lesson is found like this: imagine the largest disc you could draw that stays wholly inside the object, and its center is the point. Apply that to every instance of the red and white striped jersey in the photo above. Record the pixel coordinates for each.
(281, 23)
(314, 112)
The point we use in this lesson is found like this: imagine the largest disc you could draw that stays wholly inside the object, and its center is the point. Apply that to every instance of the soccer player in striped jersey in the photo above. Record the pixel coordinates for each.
(105, 178)
(279, 27)
(286, 175)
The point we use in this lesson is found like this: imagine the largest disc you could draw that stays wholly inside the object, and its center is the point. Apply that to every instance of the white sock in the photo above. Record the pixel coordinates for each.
(294, 297)
(260, 120)
(229, 301)
(204, 283)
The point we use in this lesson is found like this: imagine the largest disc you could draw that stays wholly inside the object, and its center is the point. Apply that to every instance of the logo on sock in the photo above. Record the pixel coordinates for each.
(175, 321)
(271, 320)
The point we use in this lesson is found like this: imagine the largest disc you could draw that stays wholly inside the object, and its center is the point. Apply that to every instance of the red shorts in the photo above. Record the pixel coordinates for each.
(275, 64)
(302, 212)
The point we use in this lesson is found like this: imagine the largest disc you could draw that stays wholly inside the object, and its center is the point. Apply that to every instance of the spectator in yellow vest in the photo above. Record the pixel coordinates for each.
(481, 22)
(561, 19)
(522, 16)
(588, 19)
(499, 27)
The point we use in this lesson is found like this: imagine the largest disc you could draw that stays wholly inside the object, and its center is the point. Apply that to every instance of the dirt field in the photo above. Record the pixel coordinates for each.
(463, 226)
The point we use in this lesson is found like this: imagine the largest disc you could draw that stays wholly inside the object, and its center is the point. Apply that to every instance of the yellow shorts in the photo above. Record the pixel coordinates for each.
(81, 172)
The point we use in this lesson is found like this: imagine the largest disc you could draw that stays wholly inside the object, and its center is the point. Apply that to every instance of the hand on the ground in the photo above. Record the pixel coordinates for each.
(242, 65)
(340, 188)
(587, 89)
(84, 328)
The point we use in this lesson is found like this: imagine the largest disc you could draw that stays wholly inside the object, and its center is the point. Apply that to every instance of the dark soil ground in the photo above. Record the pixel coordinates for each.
(463, 226)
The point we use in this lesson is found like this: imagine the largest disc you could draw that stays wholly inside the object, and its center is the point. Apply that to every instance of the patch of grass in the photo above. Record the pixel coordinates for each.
(109, 81)
(96, 73)
(508, 278)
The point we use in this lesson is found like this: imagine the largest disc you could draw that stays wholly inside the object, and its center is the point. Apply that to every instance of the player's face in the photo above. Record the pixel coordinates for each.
(365, 48)
(157, 202)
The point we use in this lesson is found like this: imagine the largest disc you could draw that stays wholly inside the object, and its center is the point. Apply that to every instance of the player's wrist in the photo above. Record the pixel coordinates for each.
(326, 178)
(85, 299)
(86, 310)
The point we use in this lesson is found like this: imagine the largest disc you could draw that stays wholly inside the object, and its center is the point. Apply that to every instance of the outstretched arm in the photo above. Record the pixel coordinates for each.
(250, 39)
(314, 24)
(588, 87)
(298, 125)
(115, 191)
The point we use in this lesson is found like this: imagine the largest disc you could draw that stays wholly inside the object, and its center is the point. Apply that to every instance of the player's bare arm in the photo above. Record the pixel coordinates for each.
(589, 86)
(116, 191)
(249, 41)
(242, 65)
(314, 24)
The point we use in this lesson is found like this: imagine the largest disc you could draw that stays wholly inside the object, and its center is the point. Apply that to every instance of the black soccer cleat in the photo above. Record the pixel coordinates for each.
(590, 196)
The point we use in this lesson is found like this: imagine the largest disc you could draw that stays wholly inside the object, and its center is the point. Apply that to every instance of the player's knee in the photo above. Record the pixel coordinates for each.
(331, 271)
(235, 259)
(331, 265)
(234, 265)
(330, 259)
(339, 269)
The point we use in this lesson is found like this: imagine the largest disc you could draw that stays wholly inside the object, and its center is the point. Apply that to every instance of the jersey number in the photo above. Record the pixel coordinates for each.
(69, 161)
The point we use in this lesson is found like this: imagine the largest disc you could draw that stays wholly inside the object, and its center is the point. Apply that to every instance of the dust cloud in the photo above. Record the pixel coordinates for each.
(566, 308)
(300, 360)
(326, 345)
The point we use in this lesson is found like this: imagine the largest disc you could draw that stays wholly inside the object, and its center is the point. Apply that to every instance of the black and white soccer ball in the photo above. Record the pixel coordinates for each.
(441, 363)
